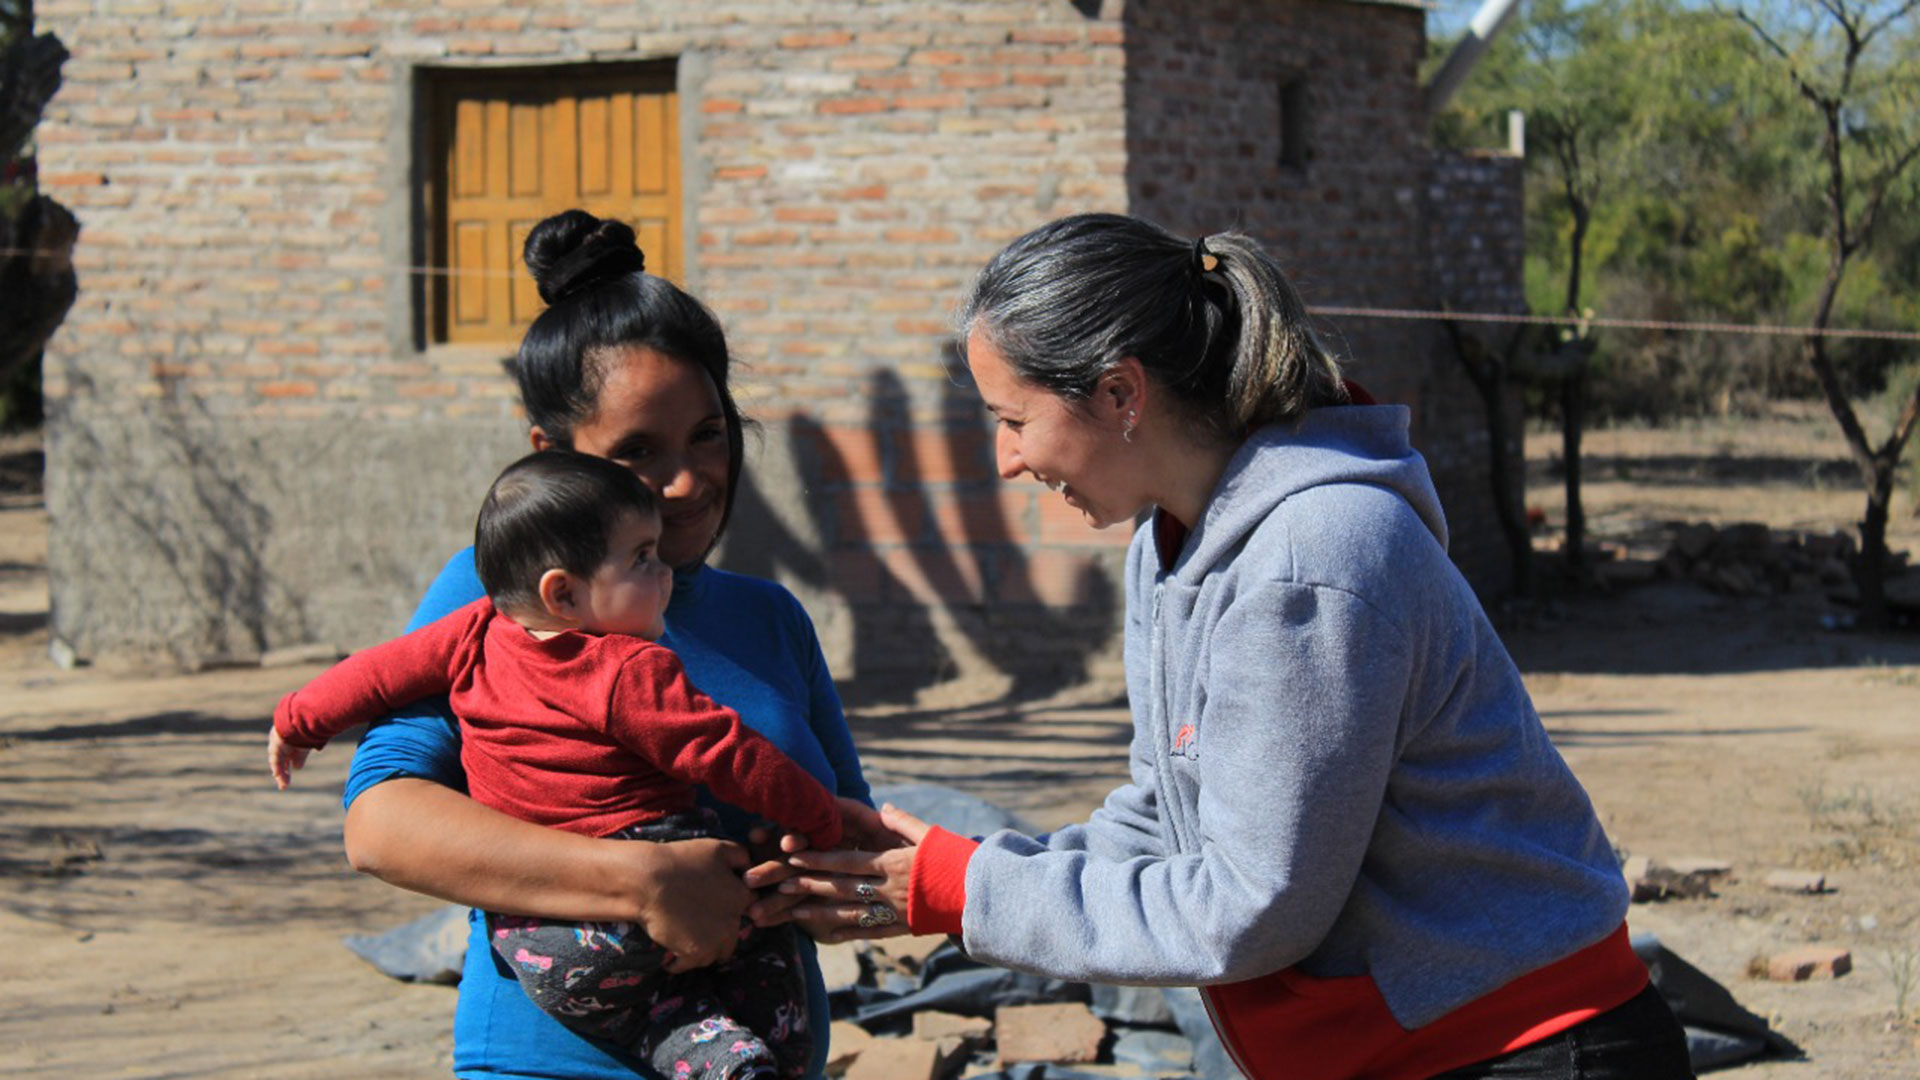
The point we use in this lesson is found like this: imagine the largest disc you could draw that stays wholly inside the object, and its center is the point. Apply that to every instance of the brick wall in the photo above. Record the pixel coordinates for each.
(249, 449)
(1204, 129)
(1475, 205)
(1364, 216)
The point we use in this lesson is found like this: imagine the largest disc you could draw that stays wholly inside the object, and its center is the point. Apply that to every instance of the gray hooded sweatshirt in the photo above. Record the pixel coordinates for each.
(1334, 768)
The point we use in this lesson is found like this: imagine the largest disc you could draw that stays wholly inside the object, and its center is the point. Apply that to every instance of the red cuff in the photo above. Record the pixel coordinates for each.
(828, 835)
(937, 887)
(289, 732)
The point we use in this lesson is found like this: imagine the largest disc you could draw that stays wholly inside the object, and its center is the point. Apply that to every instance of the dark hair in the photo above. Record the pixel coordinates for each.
(592, 274)
(1214, 320)
(553, 509)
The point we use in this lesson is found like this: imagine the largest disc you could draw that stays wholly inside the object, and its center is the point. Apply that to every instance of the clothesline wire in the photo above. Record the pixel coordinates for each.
(1318, 310)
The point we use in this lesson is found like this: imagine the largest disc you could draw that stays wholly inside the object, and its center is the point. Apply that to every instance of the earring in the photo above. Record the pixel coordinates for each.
(1133, 417)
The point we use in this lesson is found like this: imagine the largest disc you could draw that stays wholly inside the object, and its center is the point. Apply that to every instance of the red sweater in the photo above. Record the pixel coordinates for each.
(591, 733)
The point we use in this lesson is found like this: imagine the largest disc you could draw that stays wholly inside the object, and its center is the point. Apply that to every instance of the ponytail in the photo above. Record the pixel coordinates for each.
(1214, 321)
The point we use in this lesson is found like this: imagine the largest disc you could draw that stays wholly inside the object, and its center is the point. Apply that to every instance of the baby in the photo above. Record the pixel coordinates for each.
(572, 716)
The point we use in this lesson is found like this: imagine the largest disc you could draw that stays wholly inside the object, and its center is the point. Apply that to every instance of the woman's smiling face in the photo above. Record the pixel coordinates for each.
(661, 417)
(1063, 446)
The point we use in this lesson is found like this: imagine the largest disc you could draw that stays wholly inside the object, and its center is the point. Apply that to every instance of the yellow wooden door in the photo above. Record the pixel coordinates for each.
(517, 148)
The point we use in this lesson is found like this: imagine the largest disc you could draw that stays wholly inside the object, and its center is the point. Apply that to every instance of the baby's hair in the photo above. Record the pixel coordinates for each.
(553, 509)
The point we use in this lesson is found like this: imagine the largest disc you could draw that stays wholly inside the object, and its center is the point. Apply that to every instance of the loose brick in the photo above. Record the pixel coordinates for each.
(1809, 962)
(933, 1025)
(845, 1040)
(1065, 1032)
(906, 1059)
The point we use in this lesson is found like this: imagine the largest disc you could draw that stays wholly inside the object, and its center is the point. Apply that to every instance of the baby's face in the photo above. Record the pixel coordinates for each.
(628, 594)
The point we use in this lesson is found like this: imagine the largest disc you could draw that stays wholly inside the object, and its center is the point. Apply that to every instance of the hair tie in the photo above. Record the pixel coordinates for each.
(608, 253)
(1204, 261)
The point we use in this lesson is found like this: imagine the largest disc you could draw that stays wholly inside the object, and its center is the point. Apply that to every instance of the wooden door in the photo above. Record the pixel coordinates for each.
(515, 147)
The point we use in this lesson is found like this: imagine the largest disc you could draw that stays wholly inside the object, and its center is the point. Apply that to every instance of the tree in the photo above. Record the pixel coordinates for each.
(36, 233)
(1563, 64)
(1854, 63)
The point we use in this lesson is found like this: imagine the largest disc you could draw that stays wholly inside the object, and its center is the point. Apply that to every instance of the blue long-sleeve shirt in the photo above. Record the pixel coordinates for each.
(750, 646)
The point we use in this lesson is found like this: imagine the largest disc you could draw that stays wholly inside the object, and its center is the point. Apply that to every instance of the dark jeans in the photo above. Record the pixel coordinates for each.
(1639, 1040)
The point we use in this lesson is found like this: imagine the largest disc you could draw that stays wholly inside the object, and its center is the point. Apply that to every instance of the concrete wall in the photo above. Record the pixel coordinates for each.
(248, 448)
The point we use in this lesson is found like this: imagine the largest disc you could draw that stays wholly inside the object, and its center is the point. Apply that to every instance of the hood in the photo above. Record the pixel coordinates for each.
(1349, 444)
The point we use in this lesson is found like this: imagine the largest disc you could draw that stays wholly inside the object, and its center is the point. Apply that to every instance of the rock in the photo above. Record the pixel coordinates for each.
(846, 1041)
(1733, 579)
(63, 655)
(429, 949)
(1746, 538)
(839, 965)
(907, 1059)
(908, 954)
(1795, 881)
(1067, 1032)
(1141, 1006)
(1155, 1052)
(1809, 961)
(1693, 540)
(1653, 880)
(1697, 864)
(934, 1025)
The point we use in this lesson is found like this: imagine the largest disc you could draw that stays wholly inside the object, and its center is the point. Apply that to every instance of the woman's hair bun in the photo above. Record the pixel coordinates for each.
(574, 250)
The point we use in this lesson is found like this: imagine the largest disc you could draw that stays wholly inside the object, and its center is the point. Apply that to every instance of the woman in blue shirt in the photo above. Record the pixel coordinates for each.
(624, 365)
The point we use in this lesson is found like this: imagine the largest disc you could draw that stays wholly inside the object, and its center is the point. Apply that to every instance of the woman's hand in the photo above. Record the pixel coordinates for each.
(862, 830)
(430, 839)
(847, 895)
(693, 899)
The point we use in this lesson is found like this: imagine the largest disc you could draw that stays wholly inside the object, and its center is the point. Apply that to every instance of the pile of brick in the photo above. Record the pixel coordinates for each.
(1080, 1033)
(1749, 559)
(1652, 879)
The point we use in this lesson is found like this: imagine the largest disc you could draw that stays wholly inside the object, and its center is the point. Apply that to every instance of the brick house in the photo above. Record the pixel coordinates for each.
(275, 406)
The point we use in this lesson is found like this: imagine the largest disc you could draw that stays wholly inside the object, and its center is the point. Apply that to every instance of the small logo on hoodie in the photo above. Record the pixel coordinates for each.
(1186, 743)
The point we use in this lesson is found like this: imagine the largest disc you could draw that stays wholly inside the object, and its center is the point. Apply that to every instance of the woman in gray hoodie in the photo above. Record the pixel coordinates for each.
(1345, 821)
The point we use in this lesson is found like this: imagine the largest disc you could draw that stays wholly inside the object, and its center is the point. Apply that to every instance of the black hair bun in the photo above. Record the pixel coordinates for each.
(573, 251)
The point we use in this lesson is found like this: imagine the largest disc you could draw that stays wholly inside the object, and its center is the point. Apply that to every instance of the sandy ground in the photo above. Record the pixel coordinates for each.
(168, 915)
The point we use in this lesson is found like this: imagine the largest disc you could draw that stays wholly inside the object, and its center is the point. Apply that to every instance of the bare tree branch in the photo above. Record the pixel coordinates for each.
(1800, 82)
(1894, 16)
(1881, 185)
(1903, 427)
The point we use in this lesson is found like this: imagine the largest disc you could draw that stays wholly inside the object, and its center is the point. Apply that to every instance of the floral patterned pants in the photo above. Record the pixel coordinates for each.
(740, 1019)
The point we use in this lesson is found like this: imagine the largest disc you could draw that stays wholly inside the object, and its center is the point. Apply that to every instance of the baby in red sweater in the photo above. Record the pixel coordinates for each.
(572, 716)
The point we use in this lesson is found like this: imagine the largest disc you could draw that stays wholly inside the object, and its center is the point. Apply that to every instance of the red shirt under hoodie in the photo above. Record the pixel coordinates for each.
(590, 733)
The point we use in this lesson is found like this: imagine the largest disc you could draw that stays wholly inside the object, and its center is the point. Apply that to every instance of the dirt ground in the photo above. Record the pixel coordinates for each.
(170, 915)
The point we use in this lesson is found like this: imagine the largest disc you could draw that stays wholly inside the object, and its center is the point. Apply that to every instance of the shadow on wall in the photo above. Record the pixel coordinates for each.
(944, 571)
(195, 526)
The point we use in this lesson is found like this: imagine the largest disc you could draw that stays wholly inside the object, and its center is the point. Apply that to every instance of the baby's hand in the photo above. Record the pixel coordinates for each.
(284, 757)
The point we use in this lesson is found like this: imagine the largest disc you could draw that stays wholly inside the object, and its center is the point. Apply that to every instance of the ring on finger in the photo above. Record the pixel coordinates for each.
(866, 892)
(878, 915)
